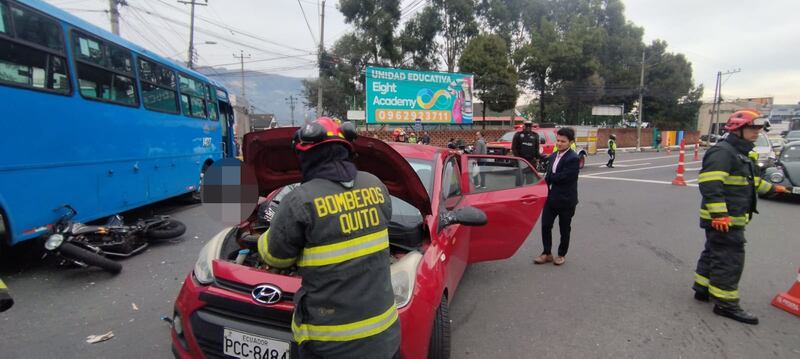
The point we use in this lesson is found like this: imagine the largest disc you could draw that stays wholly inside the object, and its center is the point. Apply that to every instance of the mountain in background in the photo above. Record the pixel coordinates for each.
(266, 92)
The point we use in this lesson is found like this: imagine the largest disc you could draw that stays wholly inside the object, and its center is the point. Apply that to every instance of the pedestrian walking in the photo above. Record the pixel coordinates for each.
(562, 180)
(480, 149)
(728, 182)
(345, 307)
(612, 150)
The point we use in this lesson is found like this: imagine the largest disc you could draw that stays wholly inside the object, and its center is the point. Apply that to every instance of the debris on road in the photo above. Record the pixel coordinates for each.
(134, 306)
(93, 339)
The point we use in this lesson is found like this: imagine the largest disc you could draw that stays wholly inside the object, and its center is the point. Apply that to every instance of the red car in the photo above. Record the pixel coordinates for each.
(547, 138)
(439, 199)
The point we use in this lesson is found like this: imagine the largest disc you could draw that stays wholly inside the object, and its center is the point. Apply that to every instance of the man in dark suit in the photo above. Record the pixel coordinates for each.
(562, 180)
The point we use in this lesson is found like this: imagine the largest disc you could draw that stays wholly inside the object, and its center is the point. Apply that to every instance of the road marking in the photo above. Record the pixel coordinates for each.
(632, 180)
(640, 169)
(636, 160)
(622, 166)
(692, 180)
(693, 169)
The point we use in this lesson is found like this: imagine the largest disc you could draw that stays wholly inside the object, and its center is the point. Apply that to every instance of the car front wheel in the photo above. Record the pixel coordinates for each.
(439, 347)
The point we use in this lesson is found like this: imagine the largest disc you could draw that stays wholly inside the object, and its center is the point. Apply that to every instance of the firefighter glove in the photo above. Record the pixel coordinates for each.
(782, 189)
(721, 224)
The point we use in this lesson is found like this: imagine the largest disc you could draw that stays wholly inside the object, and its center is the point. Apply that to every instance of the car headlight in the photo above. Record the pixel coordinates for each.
(760, 163)
(404, 276)
(203, 270)
(54, 241)
(776, 177)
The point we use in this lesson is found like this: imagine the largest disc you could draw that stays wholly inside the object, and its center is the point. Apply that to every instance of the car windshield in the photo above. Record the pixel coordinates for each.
(762, 141)
(508, 136)
(424, 170)
(793, 135)
(791, 154)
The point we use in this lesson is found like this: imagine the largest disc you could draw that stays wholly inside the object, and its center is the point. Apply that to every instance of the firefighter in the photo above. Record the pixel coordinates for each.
(612, 150)
(729, 183)
(5, 297)
(526, 143)
(398, 135)
(334, 229)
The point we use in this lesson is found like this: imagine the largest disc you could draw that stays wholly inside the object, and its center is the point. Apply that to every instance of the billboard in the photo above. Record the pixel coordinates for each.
(403, 96)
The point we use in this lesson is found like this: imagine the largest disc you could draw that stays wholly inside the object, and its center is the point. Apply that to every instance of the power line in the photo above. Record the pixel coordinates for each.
(307, 24)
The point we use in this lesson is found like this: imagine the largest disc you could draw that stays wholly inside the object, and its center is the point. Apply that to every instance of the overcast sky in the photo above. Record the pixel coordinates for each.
(760, 37)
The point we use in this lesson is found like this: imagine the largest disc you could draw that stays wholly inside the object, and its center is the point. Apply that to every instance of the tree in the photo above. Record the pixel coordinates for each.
(495, 78)
(342, 76)
(417, 41)
(459, 26)
(375, 22)
(670, 97)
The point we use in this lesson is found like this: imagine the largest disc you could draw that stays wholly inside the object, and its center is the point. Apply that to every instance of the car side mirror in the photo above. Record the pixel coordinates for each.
(468, 216)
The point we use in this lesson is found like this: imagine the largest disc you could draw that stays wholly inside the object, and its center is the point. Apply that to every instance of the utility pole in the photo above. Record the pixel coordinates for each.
(113, 10)
(291, 99)
(190, 61)
(719, 92)
(641, 108)
(241, 58)
(714, 107)
(321, 52)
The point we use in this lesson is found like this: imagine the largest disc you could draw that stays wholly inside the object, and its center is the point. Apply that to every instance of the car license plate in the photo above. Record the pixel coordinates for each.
(243, 345)
(796, 190)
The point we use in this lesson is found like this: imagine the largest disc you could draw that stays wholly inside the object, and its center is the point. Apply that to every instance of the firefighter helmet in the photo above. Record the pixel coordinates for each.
(324, 130)
(745, 117)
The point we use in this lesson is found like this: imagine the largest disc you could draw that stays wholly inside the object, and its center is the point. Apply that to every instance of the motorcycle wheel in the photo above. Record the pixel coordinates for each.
(79, 254)
(167, 229)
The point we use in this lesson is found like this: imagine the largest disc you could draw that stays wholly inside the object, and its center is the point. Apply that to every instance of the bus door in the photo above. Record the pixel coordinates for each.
(227, 123)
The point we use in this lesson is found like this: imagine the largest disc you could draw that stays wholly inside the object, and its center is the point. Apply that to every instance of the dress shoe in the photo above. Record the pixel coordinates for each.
(559, 260)
(703, 297)
(543, 258)
(736, 313)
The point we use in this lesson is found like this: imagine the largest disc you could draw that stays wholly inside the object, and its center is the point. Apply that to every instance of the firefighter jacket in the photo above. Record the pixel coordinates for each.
(337, 236)
(5, 298)
(526, 145)
(729, 183)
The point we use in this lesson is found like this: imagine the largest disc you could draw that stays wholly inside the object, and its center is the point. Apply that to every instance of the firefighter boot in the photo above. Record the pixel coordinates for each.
(701, 296)
(735, 312)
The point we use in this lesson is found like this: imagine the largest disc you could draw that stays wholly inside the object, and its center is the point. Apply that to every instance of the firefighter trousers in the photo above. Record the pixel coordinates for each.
(720, 265)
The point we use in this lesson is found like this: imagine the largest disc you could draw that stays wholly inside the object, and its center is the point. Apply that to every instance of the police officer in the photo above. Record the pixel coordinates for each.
(526, 143)
(612, 150)
(5, 297)
(334, 228)
(728, 184)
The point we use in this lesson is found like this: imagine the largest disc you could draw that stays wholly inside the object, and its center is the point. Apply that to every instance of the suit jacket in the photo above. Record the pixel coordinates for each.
(563, 184)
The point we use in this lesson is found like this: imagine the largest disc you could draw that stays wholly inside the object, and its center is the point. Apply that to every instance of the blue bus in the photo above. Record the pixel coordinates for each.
(92, 120)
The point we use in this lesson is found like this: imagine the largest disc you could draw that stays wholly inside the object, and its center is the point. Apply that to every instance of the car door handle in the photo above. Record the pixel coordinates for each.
(529, 199)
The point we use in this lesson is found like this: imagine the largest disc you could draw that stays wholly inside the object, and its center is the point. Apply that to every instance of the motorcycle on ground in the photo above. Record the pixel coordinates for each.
(88, 245)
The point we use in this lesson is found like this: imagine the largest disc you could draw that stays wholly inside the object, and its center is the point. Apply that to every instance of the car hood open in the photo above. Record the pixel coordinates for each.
(275, 164)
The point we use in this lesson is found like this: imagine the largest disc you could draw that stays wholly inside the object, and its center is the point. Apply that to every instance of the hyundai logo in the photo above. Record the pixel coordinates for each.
(267, 294)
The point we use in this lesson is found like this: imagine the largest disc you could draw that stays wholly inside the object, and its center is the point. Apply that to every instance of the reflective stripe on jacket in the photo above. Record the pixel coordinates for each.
(338, 238)
(729, 182)
(612, 145)
(5, 297)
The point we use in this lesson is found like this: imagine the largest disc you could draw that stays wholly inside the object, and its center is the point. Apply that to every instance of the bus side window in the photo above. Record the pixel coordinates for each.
(24, 65)
(158, 87)
(193, 97)
(105, 71)
(212, 105)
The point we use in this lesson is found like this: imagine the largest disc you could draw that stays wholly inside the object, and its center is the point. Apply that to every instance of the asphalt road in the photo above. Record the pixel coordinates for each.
(624, 291)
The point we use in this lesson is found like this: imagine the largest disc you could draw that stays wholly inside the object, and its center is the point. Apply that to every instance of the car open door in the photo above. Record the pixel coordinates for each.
(511, 193)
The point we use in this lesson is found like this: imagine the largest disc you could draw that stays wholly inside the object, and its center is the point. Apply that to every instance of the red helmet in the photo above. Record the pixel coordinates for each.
(324, 130)
(745, 117)
(397, 133)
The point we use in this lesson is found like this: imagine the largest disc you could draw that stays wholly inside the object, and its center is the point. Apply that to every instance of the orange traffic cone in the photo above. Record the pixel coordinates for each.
(678, 181)
(697, 152)
(789, 301)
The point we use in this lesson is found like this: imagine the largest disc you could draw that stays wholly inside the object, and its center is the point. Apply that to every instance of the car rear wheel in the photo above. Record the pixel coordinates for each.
(439, 347)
